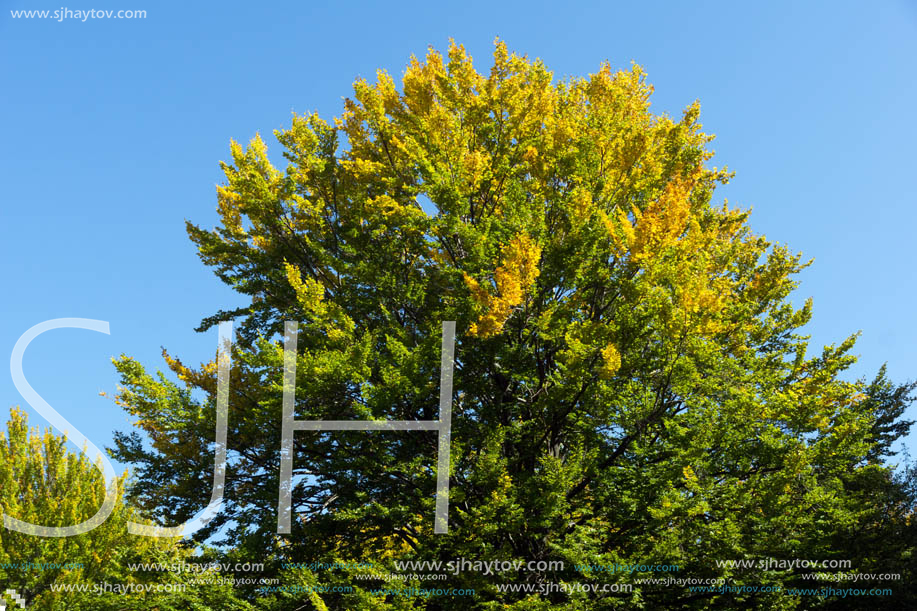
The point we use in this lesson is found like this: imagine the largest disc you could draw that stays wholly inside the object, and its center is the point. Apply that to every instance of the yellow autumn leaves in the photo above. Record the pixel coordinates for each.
(309, 292)
(513, 278)
(310, 295)
(520, 163)
(611, 362)
(659, 225)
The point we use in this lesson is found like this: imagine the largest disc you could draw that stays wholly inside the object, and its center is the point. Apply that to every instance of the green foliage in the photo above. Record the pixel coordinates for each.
(41, 481)
(632, 385)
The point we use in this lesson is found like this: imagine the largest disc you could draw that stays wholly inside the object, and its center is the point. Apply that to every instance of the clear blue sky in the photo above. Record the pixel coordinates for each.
(112, 130)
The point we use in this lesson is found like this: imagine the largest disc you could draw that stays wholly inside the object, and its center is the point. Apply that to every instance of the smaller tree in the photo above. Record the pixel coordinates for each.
(42, 482)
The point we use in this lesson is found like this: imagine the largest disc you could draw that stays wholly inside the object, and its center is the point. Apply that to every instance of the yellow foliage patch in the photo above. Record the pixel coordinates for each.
(611, 362)
(513, 278)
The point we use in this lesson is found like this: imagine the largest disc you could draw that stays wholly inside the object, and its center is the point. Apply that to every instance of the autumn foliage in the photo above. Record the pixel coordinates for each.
(632, 382)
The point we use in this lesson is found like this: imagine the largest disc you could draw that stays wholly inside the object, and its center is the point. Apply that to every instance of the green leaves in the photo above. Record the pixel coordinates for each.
(632, 381)
(43, 482)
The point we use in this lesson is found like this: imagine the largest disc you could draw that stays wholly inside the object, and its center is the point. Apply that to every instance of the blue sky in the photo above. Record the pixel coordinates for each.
(113, 129)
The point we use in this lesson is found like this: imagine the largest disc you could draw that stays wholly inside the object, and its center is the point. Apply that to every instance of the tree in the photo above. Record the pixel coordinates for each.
(631, 382)
(44, 483)
(882, 539)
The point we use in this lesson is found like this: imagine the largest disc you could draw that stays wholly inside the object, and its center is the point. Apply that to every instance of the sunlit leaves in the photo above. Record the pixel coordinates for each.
(632, 381)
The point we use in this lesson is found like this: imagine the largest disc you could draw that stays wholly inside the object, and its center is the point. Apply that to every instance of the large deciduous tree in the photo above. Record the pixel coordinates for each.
(631, 383)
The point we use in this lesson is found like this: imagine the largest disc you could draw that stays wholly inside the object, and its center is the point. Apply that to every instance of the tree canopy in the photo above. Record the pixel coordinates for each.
(632, 381)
